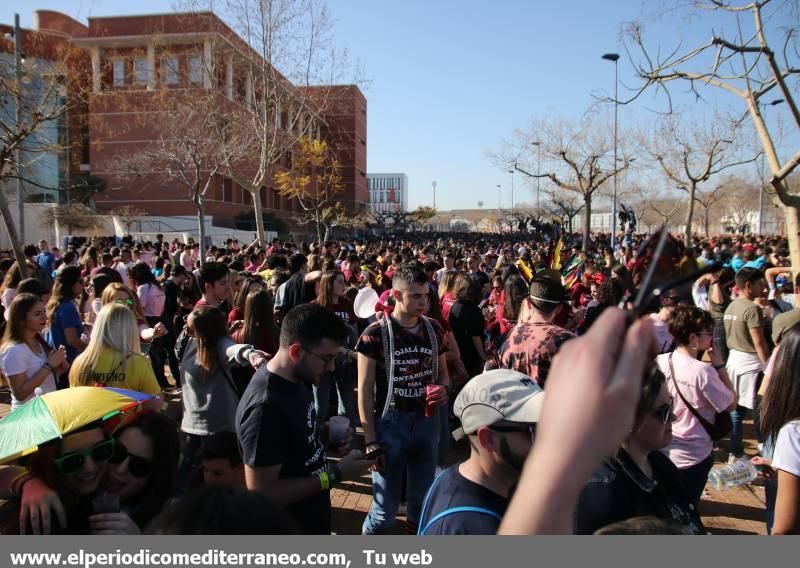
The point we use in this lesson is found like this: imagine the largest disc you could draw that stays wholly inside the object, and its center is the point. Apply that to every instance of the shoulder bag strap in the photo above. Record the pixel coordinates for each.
(388, 358)
(705, 423)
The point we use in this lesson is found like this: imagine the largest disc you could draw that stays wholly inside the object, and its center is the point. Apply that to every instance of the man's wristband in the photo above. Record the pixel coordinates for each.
(324, 481)
(718, 367)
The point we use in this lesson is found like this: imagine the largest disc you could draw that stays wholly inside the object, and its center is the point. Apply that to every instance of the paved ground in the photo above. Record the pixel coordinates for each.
(737, 511)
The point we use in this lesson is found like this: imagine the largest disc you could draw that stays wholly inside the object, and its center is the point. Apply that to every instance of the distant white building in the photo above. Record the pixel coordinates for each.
(387, 192)
(600, 222)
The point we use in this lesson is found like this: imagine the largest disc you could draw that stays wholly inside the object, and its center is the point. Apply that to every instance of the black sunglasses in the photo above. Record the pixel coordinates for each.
(522, 428)
(663, 412)
(73, 461)
(137, 465)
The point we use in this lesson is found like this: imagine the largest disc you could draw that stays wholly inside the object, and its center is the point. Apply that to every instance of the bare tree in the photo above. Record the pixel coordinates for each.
(707, 199)
(36, 93)
(73, 216)
(291, 77)
(128, 215)
(563, 205)
(690, 158)
(579, 158)
(739, 60)
(191, 140)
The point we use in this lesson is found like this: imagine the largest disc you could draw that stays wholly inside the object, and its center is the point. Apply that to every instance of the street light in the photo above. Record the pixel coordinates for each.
(434, 195)
(615, 58)
(764, 171)
(538, 173)
(499, 197)
(512, 191)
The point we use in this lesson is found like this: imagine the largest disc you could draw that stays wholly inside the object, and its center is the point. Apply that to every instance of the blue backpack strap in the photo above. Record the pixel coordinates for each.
(454, 510)
(427, 497)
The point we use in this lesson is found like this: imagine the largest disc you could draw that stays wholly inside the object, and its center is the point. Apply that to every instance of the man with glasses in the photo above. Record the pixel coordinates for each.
(498, 411)
(283, 449)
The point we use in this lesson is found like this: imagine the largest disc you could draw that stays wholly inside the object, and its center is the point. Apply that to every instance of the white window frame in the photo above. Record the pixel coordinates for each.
(118, 72)
(195, 64)
(141, 71)
(170, 70)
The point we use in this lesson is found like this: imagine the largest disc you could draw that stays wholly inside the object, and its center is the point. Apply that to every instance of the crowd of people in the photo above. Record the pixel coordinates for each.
(589, 386)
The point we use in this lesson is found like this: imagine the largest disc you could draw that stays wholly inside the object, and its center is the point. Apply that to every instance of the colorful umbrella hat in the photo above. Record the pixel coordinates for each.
(55, 414)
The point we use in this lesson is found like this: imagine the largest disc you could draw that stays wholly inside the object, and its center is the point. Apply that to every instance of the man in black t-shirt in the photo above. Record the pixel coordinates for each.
(498, 411)
(283, 450)
(393, 395)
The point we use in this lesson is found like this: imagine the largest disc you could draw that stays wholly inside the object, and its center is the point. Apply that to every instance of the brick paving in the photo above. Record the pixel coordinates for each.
(737, 511)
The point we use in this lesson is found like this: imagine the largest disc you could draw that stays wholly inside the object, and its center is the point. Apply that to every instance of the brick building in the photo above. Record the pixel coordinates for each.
(140, 67)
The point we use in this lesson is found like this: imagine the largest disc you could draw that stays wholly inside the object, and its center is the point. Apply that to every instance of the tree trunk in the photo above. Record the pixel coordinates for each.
(587, 220)
(327, 232)
(689, 215)
(792, 216)
(705, 220)
(259, 219)
(201, 221)
(13, 236)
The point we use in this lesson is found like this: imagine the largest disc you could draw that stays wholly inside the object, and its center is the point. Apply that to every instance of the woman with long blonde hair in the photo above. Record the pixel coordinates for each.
(113, 356)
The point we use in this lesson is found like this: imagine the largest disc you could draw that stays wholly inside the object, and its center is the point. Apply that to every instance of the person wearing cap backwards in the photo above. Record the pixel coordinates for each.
(498, 411)
(535, 340)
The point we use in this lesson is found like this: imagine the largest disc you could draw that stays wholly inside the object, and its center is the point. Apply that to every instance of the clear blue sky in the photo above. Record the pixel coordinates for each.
(449, 79)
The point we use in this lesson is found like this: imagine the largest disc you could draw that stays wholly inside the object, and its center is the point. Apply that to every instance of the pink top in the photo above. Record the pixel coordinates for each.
(152, 299)
(701, 386)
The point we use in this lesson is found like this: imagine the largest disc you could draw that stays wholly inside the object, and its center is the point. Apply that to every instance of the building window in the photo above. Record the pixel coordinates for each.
(169, 70)
(195, 69)
(141, 71)
(118, 72)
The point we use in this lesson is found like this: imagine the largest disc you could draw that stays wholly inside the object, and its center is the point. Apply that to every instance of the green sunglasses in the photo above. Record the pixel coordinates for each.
(73, 461)
(127, 302)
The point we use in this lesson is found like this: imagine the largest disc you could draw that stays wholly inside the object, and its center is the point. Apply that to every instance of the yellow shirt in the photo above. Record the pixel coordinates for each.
(134, 373)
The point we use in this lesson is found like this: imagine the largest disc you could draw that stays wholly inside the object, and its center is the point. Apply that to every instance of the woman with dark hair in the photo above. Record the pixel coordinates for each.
(250, 285)
(256, 327)
(332, 288)
(25, 359)
(705, 387)
(65, 325)
(468, 324)
(152, 300)
(780, 424)
(210, 395)
(639, 480)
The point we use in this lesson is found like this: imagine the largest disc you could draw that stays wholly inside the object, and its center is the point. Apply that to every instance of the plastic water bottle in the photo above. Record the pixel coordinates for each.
(732, 475)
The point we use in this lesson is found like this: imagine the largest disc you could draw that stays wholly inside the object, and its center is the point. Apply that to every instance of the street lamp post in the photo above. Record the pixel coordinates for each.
(764, 171)
(512, 191)
(538, 179)
(499, 198)
(434, 195)
(615, 58)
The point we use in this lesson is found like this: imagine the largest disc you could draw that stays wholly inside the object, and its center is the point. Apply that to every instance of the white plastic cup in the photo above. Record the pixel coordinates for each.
(337, 429)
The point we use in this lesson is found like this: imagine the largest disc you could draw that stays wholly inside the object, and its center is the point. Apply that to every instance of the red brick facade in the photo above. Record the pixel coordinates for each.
(131, 62)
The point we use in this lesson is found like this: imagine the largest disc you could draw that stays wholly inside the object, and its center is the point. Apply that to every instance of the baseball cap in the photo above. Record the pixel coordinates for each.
(494, 396)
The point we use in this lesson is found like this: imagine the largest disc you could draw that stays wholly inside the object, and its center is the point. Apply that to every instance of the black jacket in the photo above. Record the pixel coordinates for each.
(618, 490)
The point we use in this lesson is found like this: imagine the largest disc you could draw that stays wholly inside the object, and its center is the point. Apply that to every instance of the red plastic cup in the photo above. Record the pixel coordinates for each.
(430, 408)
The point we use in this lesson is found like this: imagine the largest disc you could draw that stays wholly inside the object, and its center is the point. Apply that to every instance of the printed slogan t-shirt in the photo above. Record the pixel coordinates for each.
(413, 363)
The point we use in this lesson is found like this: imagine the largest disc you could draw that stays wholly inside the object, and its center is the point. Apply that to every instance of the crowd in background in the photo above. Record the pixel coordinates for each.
(293, 367)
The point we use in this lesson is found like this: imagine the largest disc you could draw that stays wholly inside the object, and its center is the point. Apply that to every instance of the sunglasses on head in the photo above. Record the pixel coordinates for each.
(73, 461)
(127, 302)
(137, 465)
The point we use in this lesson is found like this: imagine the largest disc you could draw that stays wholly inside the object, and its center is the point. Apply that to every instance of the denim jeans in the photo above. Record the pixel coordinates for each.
(409, 443)
(345, 388)
(737, 416)
(189, 461)
(694, 478)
